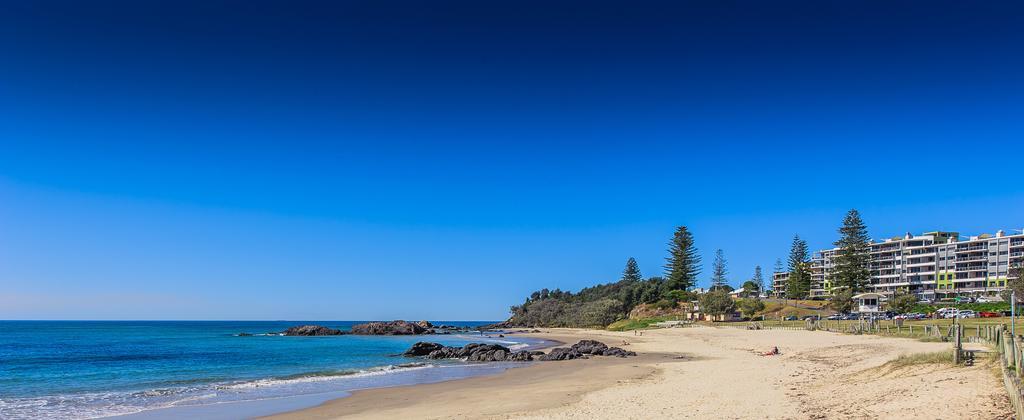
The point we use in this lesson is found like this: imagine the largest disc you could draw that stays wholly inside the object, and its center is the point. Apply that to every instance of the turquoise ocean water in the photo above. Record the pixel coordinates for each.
(90, 369)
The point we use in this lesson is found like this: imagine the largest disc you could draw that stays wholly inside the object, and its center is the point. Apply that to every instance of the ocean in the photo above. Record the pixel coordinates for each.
(167, 369)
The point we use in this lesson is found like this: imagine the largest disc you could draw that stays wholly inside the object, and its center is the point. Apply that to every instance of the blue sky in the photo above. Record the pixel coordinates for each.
(441, 160)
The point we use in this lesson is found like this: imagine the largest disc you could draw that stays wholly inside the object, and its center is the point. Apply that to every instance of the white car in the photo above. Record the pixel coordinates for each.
(967, 313)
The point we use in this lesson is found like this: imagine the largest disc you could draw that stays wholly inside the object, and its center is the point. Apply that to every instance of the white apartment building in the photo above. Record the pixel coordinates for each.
(932, 265)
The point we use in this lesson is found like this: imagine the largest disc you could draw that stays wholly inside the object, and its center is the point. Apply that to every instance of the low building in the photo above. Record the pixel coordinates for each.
(869, 303)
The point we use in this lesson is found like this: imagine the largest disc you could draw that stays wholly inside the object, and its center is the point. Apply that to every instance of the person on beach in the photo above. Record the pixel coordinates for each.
(774, 351)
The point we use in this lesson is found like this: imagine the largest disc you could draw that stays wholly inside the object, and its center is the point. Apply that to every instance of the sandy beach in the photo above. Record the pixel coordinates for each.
(704, 372)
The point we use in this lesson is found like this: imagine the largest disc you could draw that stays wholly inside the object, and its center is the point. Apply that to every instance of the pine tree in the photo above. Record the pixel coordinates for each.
(777, 269)
(632, 271)
(853, 256)
(798, 286)
(719, 271)
(683, 261)
(758, 279)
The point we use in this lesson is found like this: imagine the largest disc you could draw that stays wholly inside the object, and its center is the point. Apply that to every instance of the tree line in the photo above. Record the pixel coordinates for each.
(606, 303)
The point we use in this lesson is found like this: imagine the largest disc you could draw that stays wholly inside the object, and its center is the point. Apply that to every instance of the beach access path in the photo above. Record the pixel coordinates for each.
(704, 372)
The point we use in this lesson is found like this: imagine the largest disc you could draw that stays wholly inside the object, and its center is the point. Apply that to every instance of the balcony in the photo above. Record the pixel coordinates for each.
(965, 258)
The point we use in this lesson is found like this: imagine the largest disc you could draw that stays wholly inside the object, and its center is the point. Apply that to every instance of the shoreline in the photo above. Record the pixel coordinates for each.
(572, 378)
(434, 372)
(702, 372)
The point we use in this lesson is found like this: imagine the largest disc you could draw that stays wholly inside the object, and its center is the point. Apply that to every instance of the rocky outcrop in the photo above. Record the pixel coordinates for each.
(422, 348)
(483, 352)
(590, 347)
(618, 352)
(425, 324)
(562, 353)
(311, 330)
(474, 352)
(391, 328)
(598, 348)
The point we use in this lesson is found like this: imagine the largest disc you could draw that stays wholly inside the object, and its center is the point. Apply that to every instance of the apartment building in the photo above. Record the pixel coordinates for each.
(932, 265)
(779, 283)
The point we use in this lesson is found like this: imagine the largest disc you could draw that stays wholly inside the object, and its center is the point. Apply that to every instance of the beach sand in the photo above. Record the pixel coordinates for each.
(704, 372)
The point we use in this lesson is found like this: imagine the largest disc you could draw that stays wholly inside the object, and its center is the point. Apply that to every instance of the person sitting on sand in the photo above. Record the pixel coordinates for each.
(774, 351)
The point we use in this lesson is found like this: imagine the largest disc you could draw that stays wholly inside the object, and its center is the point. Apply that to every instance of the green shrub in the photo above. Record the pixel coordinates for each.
(664, 304)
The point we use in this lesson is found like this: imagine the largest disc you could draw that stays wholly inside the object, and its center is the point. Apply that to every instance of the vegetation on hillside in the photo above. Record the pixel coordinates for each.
(604, 304)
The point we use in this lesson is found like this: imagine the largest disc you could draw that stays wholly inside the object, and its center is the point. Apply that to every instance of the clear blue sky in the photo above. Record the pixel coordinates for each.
(441, 160)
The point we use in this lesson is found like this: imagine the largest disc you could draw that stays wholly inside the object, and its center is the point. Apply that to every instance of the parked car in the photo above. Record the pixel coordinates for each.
(989, 299)
(949, 314)
(986, 314)
(835, 317)
(967, 313)
(814, 317)
(791, 318)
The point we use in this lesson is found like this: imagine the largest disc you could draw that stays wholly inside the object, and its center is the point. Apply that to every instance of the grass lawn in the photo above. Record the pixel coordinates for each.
(637, 324)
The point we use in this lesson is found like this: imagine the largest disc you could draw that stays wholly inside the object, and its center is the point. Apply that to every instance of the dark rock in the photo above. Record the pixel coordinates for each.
(562, 353)
(521, 356)
(425, 324)
(244, 334)
(444, 353)
(422, 349)
(473, 352)
(311, 330)
(618, 352)
(590, 347)
(390, 328)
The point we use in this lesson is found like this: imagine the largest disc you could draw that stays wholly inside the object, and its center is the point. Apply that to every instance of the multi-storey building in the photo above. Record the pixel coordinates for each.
(931, 265)
(779, 283)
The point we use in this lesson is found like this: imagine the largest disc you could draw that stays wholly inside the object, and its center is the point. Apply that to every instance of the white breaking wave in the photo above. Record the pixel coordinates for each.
(106, 404)
(376, 371)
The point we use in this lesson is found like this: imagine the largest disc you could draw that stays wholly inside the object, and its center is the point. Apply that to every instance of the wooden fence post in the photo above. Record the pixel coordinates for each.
(956, 349)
